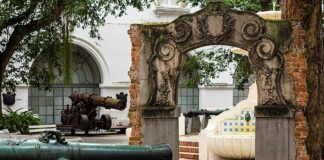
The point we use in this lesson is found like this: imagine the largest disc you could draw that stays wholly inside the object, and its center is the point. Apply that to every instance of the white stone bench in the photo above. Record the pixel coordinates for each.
(41, 128)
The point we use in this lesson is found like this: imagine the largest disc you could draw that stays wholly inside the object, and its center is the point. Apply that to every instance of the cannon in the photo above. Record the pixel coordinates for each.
(194, 124)
(82, 114)
(205, 112)
(52, 146)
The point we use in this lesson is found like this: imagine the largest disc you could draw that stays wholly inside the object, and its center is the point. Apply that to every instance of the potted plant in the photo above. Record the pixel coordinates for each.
(9, 98)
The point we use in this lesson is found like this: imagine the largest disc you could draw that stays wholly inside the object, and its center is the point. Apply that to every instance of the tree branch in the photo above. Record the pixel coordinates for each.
(20, 31)
(20, 17)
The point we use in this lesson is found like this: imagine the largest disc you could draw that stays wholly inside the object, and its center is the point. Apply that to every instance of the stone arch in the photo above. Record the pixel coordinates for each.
(156, 58)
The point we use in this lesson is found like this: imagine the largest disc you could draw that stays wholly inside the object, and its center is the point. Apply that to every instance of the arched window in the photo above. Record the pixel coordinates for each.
(188, 97)
(85, 78)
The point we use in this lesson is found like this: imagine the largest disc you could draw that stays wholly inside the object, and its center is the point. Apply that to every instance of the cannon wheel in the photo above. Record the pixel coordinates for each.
(106, 119)
(84, 123)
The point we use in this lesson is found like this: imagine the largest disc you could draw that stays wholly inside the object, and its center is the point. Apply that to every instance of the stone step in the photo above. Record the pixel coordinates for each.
(190, 156)
(188, 149)
(189, 143)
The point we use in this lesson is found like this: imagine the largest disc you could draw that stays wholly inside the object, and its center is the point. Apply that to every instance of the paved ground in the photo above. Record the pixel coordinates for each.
(103, 137)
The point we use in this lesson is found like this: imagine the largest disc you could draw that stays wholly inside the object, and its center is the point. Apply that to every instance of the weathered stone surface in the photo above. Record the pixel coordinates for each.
(274, 111)
(274, 139)
(161, 126)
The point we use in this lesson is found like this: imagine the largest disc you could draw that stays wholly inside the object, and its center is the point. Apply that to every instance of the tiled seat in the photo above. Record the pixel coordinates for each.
(231, 135)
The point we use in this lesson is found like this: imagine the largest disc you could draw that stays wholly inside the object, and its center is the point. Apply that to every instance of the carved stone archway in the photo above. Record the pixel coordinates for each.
(156, 58)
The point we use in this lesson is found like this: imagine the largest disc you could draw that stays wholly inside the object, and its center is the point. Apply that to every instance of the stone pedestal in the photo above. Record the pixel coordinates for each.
(160, 125)
(274, 133)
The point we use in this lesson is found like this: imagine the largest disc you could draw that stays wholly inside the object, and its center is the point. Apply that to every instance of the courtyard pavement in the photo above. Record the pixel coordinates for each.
(93, 137)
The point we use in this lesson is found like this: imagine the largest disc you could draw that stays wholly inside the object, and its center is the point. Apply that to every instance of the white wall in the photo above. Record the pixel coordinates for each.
(213, 97)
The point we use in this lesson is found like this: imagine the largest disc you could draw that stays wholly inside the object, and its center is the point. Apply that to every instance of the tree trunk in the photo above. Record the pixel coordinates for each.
(2, 71)
(307, 13)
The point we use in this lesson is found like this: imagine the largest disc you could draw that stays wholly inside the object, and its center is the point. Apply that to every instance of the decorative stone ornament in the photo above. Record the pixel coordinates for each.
(9, 98)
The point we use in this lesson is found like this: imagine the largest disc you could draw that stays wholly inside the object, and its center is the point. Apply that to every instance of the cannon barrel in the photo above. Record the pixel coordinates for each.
(95, 100)
(204, 112)
(51, 150)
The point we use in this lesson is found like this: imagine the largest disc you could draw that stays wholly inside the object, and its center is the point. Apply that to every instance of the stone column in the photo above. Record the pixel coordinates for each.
(160, 125)
(274, 135)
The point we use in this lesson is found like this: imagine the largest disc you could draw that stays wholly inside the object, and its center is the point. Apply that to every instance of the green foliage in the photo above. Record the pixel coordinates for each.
(207, 64)
(245, 5)
(16, 121)
(32, 28)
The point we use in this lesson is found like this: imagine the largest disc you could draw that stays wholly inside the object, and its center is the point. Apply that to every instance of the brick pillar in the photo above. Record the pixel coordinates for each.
(296, 67)
(134, 111)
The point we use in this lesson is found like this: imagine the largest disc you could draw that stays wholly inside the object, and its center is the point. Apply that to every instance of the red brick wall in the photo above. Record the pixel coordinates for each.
(134, 111)
(296, 67)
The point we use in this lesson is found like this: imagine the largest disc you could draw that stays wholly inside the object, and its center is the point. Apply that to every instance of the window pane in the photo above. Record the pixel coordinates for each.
(49, 92)
(58, 92)
(90, 90)
(34, 92)
(57, 120)
(183, 92)
(49, 101)
(42, 119)
(58, 110)
(42, 101)
(196, 100)
(67, 91)
(196, 92)
(49, 110)
(49, 120)
(42, 110)
(190, 92)
(58, 101)
(34, 101)
(67, 100)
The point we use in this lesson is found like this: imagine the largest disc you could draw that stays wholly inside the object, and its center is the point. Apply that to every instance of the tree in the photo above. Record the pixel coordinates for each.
(307, 44)
(33, 27)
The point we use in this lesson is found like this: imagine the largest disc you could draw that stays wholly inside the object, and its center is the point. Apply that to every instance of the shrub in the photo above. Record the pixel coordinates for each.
(16, 121)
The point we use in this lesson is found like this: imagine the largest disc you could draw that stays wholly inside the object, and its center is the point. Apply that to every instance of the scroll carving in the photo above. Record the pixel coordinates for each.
(165, 51)
(164, 70)
(267, 64)
(252, 30)
(183, 32)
